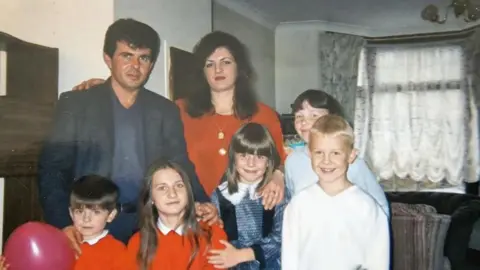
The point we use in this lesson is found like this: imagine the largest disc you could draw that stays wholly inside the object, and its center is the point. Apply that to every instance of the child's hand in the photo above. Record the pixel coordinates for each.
(226, 258)
(3, 263)
(75, 239)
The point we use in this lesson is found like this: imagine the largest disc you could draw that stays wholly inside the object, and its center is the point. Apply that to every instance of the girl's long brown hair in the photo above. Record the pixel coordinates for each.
(149, 217)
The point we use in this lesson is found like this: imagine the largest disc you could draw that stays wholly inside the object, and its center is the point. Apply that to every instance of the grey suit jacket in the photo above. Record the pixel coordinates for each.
(81, 143)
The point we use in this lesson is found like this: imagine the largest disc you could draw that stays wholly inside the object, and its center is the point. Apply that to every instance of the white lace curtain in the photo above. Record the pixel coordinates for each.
(414, 117)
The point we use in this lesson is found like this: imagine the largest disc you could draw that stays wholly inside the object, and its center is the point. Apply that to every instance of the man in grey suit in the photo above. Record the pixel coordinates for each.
(115, 129)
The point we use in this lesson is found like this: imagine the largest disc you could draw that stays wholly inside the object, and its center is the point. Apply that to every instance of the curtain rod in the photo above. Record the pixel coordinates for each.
(425, 36)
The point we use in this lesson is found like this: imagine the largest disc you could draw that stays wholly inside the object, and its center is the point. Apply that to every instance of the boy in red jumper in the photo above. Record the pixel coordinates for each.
(93, 203)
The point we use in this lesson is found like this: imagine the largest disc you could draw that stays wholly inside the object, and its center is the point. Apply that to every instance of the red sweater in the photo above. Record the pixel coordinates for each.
(174, 250)
(107, 254)
(203, 143)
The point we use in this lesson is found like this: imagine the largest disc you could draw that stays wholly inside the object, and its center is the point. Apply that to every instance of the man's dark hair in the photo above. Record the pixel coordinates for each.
(136, 34)
(93, 191)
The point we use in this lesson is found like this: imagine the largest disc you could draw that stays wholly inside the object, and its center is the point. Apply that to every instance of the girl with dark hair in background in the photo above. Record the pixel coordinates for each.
(308, 107)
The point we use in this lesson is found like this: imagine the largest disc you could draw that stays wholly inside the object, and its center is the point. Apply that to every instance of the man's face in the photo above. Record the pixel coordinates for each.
(130, 67)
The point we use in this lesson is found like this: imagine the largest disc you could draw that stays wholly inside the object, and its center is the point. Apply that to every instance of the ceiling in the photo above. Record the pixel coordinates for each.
(369, 14)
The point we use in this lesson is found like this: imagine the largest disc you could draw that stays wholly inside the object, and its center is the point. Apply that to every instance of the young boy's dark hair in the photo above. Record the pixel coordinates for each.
(318, 99)
(93, 191)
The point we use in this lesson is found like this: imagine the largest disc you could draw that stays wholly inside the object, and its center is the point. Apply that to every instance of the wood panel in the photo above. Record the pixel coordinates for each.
(183, 79)
(32, 72)
(23, 124)
(25, 118)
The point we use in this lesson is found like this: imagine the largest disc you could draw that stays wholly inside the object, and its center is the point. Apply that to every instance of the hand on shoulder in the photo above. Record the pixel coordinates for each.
(88, 84)
(3, 264)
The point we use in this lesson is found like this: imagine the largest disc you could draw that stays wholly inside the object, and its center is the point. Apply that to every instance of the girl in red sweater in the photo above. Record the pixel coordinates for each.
(170, 237)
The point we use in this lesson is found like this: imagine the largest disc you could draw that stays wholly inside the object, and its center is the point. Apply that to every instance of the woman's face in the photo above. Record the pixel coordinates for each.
(221, 70)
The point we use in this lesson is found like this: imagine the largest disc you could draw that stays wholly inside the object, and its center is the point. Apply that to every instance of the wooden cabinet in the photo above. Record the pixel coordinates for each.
(25, 118)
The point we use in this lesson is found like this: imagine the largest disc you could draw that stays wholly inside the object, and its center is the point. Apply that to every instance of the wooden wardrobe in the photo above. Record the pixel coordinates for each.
(25, 118)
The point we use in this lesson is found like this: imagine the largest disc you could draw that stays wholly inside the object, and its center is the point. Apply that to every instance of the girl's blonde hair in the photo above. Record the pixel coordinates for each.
(251, 138)
(149, 216)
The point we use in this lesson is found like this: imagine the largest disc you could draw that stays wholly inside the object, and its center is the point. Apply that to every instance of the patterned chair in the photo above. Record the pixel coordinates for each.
(432, 230)
(418, 237)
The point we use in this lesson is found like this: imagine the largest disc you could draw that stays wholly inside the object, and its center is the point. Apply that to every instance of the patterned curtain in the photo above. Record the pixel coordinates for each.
(471, 47)
(472, 51)
(339, 54)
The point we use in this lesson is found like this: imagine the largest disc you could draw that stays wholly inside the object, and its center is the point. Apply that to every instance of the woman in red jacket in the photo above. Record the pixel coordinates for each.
(222, 102)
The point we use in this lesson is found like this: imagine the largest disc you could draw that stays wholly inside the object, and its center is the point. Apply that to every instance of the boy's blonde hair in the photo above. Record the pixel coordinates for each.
(333, 125)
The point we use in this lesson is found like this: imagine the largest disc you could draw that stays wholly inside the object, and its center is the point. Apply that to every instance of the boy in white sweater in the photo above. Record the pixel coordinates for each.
(334, 225)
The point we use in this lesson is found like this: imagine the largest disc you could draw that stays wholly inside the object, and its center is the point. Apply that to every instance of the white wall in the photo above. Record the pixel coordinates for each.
(76, 27)
(296, 64)
(296, 51)
(260, 41)
(180, 23)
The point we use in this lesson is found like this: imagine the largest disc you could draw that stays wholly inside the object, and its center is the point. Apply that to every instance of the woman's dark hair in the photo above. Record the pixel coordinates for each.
(199, 102)
(319, 100)
(136, 34)
(149, 217)
(254, 139)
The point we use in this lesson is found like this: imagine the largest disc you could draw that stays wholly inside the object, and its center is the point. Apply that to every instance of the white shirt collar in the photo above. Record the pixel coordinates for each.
(165, 229)
(95, 240)
(243, 190)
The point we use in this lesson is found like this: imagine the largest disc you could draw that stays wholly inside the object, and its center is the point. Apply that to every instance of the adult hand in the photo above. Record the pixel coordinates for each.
(274, 191)
(3, 264)
(225, 258)
(75, 239)
(208, 213)
(87, 84)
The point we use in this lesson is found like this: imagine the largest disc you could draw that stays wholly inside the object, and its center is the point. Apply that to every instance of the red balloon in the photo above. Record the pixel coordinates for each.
(38, 246)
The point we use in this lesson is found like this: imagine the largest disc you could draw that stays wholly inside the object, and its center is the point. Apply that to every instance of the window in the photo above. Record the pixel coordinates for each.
(412, 116)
